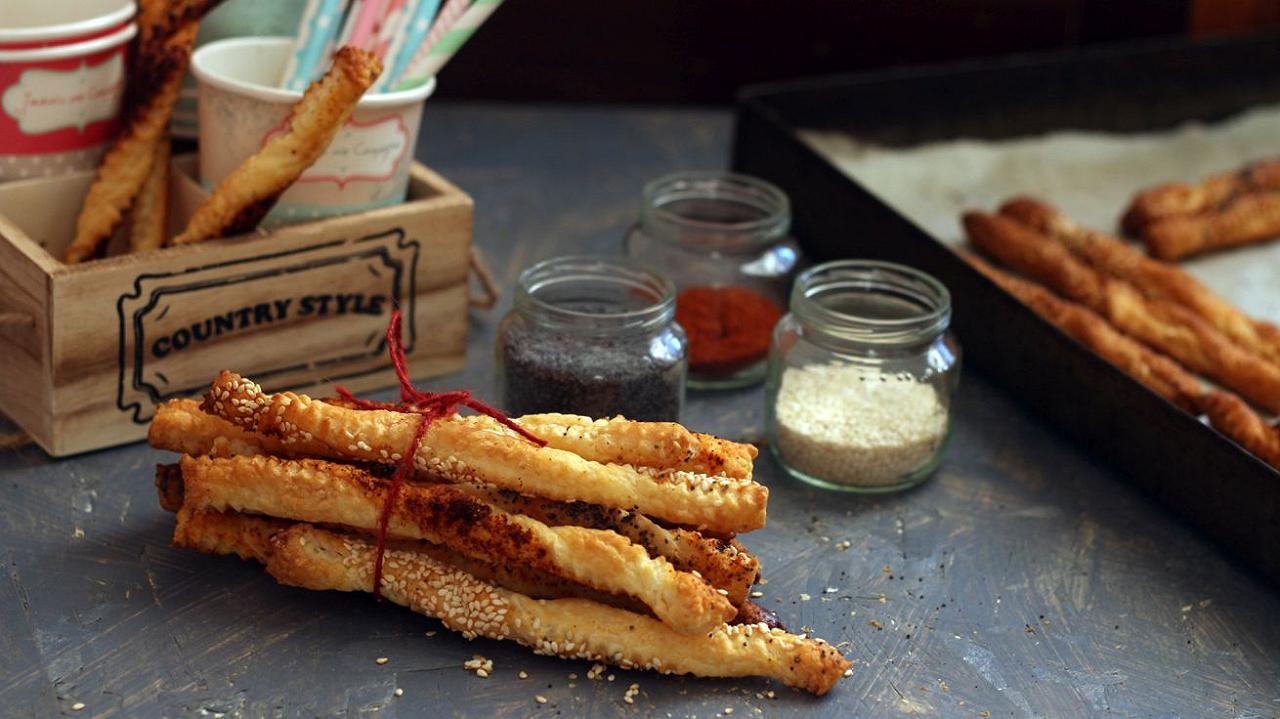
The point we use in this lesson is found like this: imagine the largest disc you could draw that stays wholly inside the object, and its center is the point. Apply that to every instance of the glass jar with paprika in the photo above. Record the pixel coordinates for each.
(723, 238)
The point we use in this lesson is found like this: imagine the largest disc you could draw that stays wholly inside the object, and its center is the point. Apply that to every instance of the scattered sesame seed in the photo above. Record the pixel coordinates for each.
(381, 660)
(523, 675)
(728, 710)
(399, 692)
(757, 594)
(805, 597)
(77, 706)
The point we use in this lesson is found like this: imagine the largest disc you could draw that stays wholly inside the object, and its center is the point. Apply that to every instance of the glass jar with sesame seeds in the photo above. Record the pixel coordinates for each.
(861, 375)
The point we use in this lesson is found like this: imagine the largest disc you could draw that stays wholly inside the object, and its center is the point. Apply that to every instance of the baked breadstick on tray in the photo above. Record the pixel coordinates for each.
(1163, 325)
(494, 534)
(477, 449)
(1247, 219)
(1155, 279)
(1181, 198)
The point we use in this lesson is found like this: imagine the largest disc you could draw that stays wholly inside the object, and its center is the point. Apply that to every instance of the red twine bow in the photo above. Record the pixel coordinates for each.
(429, 406)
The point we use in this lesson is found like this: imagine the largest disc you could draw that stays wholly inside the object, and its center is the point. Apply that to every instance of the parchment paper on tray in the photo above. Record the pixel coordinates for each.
(1090, 175)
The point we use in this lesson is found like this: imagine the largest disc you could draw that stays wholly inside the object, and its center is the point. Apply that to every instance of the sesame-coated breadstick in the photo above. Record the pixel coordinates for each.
(314, 558)
(478, 449)
(324, 492)
(646, 444)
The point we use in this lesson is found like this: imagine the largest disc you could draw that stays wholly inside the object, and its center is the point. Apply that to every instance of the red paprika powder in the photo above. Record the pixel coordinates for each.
(729, 328)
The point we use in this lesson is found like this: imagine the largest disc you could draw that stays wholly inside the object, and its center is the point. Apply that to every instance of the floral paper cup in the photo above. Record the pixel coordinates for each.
(241, 107)
(62, 76)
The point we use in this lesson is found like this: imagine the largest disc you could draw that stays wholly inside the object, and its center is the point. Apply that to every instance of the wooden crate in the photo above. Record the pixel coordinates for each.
(88, 351)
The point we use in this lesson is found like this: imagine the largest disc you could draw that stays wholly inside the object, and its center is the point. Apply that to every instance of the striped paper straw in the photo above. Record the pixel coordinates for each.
(390, 27)
(366, 25)
(320, 22)
(450, 40)
(449, 14)
(408, 39)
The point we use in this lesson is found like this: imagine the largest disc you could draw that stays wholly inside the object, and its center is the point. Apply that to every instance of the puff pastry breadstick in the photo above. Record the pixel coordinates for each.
(1165, 326)
(151, 208)
(180, 426)
(1247, 219)
(726, 565)
(245, 196)
(1159, 373)
(1233, 417)
(477, 449)
(324, 492)
(1156, 279)
(314, 558)
(647, 444)
(1180, 198)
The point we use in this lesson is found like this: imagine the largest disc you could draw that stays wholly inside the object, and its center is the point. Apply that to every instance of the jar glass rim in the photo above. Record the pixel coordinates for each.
(923, 303)
(599, 273)
(767, 198)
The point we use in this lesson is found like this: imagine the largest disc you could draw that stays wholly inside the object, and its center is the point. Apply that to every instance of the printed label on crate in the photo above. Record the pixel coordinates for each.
(275, 318)
(366, 152)
(82, 99)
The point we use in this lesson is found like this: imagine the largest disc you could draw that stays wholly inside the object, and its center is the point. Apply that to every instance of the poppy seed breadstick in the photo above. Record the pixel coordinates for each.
(1159, 373)
(478, 449)
(324, 492)
(314, 558)
(1162, 325)
(1154, 278)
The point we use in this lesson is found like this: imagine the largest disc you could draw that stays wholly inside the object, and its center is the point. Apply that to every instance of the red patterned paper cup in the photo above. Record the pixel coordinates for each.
(60, 103)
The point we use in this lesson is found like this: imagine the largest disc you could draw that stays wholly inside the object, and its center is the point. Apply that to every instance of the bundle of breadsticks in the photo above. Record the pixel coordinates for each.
(1178, 220)
(1149, 318)
(134, 174)
(614, 542)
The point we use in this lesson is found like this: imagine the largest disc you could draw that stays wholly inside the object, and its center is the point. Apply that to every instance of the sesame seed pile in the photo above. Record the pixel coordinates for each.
(845, 425)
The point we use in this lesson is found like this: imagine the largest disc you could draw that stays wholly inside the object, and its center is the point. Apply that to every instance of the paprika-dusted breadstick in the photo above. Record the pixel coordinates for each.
(1156, 279)
(314, 558)
(1159, 373)
(646, 444)
(151, 209)
(476, 451)
(1181, 198)
(724, 564)
(245, 196)
(1247, 219)
(1164, 326)
(325, 492)
(127, 164)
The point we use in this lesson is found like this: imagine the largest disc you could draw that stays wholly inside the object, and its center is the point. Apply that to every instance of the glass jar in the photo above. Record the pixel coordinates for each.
(592, 336)
(861, 376)
(723, 238)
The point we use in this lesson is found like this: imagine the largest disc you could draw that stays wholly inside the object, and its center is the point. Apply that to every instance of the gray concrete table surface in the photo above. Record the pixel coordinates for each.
(1023, 580)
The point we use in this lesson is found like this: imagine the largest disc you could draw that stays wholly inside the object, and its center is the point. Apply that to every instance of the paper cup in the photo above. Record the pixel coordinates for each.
(40, 23)
(60, 96)
(241, 107)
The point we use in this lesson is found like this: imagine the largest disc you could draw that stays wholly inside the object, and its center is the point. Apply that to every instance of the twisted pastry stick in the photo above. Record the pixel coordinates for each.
(726, 565)
(647, 444)
(1157, 280)
(324, 492)
(477, 449)
(313, 558)
(1247, 219)
(1165, 326)
(1180, 198)
(151, 208)
(180, 426)
(1159, 373)
(1231, 416)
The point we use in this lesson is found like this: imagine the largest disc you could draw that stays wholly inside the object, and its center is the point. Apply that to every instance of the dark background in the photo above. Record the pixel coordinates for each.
(701, 51)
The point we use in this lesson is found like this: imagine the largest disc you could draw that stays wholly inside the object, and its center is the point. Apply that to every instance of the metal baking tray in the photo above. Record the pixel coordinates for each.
(1233, 497)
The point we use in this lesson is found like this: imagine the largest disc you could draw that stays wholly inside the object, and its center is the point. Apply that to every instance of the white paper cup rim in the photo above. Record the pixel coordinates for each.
(68, 29)
(278, 95)
(77, 49)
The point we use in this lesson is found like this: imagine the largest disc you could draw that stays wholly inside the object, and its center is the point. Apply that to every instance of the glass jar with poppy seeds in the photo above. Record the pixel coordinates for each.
(594, 336)
(723, 238)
